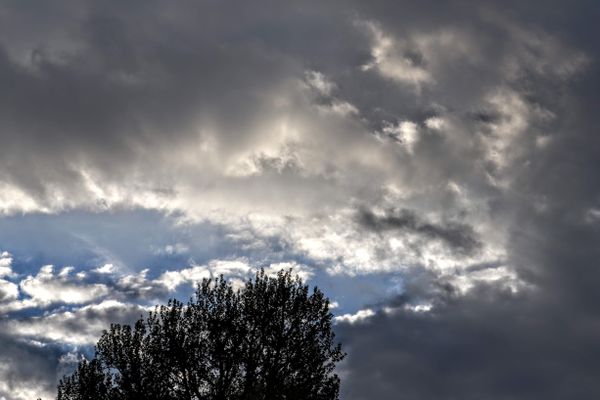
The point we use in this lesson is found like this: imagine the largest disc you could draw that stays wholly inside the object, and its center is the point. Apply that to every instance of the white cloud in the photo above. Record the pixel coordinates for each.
(138, 285)
(172, 279)
(8, 291)
(405, 132)
(391, 58)
(46, 288)
(302, 271)
(341, 108)
(501, 276)
(6, 264)
(436, 123)
(65, 272)
(358, 317)
(105, 269)
(81, 326)
(230, 269)
(419, 57)
(415, 308)
(318, 81)
(342, 247)
(505, 136)
(238, 267)
(237, 271)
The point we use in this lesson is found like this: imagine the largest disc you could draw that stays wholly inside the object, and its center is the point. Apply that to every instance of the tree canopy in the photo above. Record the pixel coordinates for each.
(271, 339)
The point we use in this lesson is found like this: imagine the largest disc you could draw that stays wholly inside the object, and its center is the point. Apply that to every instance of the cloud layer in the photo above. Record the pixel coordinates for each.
(432, 166)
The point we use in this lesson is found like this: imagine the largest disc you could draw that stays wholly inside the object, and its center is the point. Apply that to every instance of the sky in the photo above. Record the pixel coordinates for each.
(432, 166)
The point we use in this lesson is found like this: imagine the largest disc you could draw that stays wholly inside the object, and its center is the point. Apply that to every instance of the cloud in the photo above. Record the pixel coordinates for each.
(291, 133)
(302, 271)
(80, 326)
(172, 279)
(397, 61)
(8, 291)
(462, 135)
(105, 269)
(406, 133)
(489, 343)
(46, 288)
(238, 271)
(26, 369)
(5, 264)
(456, 235)
(358, 317)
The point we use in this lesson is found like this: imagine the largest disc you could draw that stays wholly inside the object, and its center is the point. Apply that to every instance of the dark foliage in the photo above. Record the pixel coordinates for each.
(272, 339)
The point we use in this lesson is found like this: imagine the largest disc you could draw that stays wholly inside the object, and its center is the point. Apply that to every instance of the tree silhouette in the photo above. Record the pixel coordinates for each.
(271, 339)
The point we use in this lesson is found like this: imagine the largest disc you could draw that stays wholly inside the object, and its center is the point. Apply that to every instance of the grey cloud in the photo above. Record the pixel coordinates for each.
(162, 100)
(121, 93)
(493, 344)
(489, 344)
(79, 327)
(27, 370)
(31, 355)
(118, 89)
(486, 116)
(458, 236)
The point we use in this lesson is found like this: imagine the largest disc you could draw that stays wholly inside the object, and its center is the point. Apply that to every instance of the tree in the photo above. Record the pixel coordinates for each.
(271, 339)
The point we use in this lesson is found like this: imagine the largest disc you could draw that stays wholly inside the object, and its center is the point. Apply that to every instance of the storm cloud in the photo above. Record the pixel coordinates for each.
(433, 166)
(455, 235)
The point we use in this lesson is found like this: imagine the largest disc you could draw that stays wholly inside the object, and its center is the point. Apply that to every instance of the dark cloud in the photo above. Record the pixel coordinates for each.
(37, 351)
(28, 370)
(109, 92)
(494, 344)
(127, 84)
(489, 344)
(479, 116)
(461, 237)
